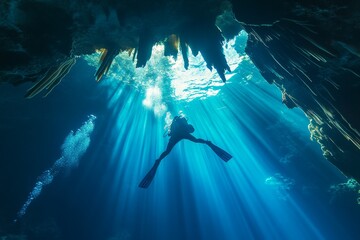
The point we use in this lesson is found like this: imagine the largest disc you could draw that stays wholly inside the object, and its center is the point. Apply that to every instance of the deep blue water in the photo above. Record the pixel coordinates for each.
(277, 186)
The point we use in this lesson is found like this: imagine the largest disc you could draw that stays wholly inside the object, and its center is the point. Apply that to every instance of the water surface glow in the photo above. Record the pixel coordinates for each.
(196, 82)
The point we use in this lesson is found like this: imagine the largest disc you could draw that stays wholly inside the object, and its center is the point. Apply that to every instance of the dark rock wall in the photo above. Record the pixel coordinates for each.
(310, 50)
(40, 34)
(34, 35)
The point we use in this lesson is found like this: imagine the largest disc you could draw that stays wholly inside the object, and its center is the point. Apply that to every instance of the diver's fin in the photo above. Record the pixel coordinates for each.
(145, 183)
(220, 152)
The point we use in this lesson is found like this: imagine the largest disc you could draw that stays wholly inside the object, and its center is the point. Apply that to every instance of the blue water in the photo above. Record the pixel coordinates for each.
(277, 186)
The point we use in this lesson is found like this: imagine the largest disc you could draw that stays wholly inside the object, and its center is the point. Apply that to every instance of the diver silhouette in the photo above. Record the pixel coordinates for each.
(179, 130)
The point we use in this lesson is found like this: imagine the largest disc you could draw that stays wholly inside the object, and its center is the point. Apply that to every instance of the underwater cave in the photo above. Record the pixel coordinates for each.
(90, 91)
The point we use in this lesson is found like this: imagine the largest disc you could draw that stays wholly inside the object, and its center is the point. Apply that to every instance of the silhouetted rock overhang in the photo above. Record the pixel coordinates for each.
(311, 50)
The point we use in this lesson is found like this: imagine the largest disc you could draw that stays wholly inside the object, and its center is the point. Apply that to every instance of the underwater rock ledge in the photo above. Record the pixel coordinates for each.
(308, 49)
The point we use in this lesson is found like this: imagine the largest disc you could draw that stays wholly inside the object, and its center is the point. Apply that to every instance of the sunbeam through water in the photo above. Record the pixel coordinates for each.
(277, 185)
(259, 194)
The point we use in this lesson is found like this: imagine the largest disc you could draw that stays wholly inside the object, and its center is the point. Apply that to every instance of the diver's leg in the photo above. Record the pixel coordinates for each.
(196, 140)
(145, 182)
(169, 147)
(220, 152)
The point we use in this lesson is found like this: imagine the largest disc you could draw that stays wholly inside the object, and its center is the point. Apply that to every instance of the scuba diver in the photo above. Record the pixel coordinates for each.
(179, 130)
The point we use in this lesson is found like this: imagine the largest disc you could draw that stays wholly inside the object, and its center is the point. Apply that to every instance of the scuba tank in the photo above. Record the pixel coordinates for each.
(179, 125)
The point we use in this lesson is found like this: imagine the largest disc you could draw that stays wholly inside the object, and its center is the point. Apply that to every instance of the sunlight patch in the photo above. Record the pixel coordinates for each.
(280, 184)
(153, 100)
(172, 80)
(198, 82)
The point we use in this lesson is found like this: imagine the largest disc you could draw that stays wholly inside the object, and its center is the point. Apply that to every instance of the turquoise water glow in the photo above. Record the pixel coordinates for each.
(277, 186)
